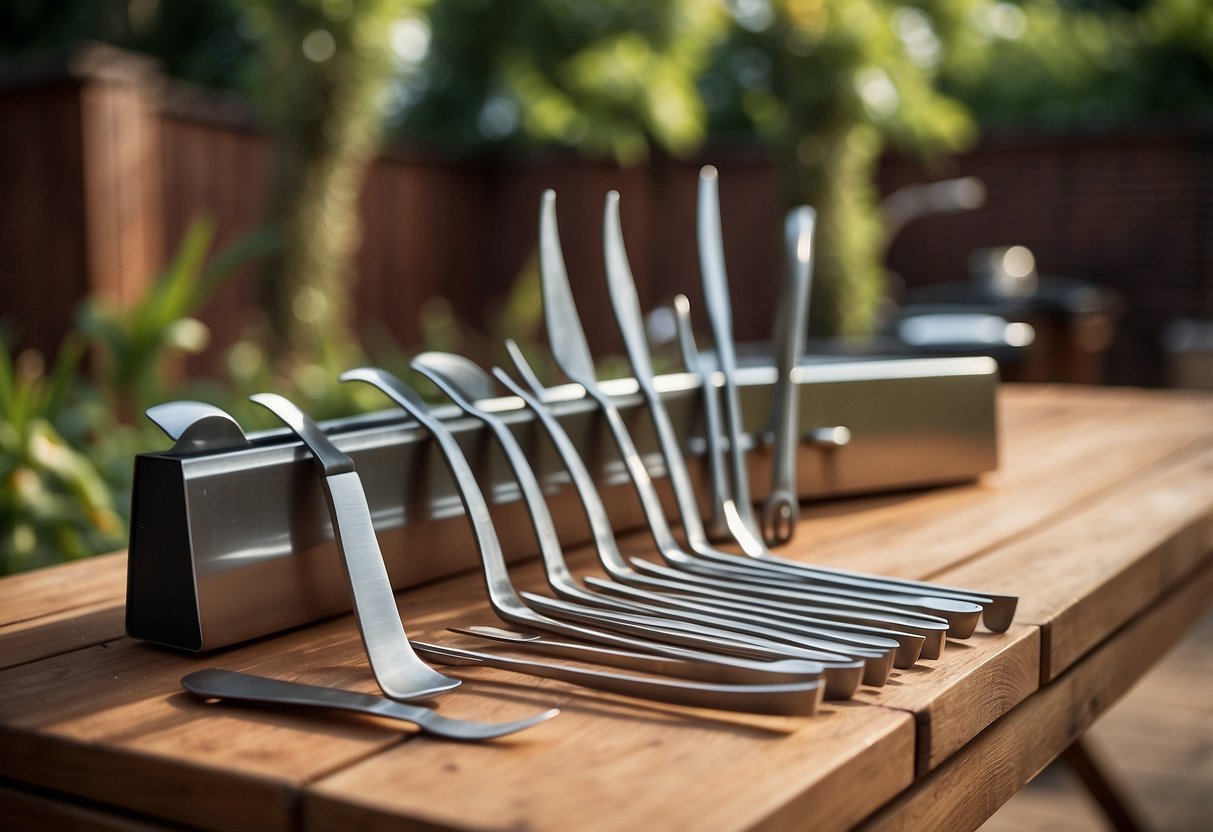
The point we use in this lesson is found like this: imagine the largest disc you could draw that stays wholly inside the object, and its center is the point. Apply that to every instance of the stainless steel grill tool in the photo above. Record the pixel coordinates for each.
(447, 371)
(788, 699)
(510, 607)
(998, 610)
(706, 560)
(570, 351)
(231, 537)
(661, 592)
(781, 509)
(245, 687)
(401, 674)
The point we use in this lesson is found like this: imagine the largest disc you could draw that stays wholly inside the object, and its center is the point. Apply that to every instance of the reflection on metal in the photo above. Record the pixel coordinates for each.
(967, 329)
(231, 543)
(197, 426)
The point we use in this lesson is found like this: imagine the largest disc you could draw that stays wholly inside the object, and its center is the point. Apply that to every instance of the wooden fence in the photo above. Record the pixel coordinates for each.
(105, 165)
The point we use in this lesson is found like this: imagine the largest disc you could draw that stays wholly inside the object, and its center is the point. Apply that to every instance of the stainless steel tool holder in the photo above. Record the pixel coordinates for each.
(233, 542)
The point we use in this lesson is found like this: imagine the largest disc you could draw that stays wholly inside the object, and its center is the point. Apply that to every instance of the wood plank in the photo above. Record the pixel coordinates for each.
(56, 633)
(956, 698)
(1043, 475)
(38, 811)
(61, 608)
(65, 586)
(111, 723)
(808, 759)
(136, 741)
(1086, 576)
(970, 786)
(596, 768)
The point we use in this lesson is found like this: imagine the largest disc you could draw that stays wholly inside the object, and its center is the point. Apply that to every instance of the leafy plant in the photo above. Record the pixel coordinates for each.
(1066, 66)
(608, 78)
(54, 503)
(67, 437)
(134, 348)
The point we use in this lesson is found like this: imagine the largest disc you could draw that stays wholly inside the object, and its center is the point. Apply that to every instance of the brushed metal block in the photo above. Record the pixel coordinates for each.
(230, 545)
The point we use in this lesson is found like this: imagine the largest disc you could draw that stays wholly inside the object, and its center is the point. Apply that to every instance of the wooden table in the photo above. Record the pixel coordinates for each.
(1100, 518)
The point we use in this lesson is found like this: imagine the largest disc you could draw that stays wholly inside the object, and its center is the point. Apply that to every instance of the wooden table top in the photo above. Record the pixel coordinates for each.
(1100, 518)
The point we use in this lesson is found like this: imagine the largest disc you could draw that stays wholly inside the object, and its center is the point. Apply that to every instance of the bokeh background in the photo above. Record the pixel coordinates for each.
(204, 199)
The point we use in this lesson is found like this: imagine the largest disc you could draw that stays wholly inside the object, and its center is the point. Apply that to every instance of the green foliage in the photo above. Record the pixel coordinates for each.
(830, 83)
(67, 437)
(323, 74)
(617, 78)
(54, 503)
(610, 79)
(1089, 67)
(519, 317)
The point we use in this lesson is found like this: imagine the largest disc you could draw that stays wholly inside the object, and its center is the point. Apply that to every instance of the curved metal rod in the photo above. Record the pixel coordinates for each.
(933, 629)
(617, 567)
(197, 426)
(781, 509)
(622, 289)
(767, 643)
(245, 687)
(725, 521)
(962, 608)
(865, 629)
(842, 674)
(998, 610)
(506, 602)
(571, 650)
(400, 672)
(571, 353)
(787, 699)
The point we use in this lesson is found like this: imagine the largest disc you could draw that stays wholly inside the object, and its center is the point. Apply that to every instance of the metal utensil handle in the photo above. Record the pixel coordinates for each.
(720, 316)
(781, 509)
(399, 671)
(568, 345)
(497, 581)
(717, 523)
(230, 684)
(246, 687)
(799, 699)
(621, 288)
(328, 458)
(445, 371)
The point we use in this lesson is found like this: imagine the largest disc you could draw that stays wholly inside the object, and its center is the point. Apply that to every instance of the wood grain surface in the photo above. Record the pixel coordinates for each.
(970, 786)
(1100, 517)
